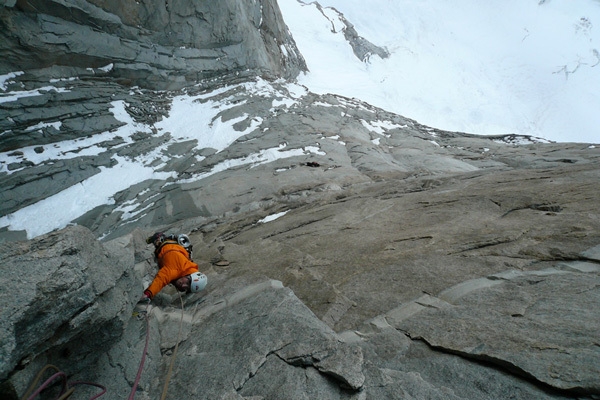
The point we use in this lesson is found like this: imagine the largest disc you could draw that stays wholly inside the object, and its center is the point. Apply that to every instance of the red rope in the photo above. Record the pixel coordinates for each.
(66, 386)
(48, 382)
(91, 384)
(139, 373)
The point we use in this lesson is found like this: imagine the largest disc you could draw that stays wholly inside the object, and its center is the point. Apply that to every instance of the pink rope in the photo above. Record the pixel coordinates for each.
(139, 373)
(91, 384)
(65, 386)
(48, 382)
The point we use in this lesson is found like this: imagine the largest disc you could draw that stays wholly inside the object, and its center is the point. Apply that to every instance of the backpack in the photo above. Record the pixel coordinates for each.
(181, 239)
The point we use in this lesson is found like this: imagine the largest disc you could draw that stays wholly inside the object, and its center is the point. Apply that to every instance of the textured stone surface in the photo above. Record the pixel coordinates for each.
(543, 326)
(267, 324)
(527, 334)
(387, 229)
(378, 245)
(406, 262)
(154, 44)
(61, 289)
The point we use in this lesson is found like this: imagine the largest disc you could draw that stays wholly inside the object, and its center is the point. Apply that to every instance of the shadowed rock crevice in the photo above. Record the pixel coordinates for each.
(513, 329)
(486, 361)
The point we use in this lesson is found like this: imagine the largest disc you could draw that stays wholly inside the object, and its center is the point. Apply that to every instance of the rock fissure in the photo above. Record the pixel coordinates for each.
(507, 367)
(257, 369)
(551, 208)
(487, 243)
(296, 227)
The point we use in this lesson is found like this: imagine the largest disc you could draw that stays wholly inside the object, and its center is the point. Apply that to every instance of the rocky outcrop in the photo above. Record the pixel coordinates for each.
(534, 324)
(399, 261)
(64, 297)
(405, 262)
(514, 334)
(285, 349)
(362, 48)
(152, 44)
(351, 142)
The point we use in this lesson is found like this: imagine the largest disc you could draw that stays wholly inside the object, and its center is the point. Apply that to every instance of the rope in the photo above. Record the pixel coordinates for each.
(91, 384)
(67, 394)
(37, 379)
(67, 388)
(48, 381)
(141, 367)
(164, 393)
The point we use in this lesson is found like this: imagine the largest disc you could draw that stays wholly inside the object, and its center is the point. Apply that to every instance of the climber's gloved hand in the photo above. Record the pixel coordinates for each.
(145, 297)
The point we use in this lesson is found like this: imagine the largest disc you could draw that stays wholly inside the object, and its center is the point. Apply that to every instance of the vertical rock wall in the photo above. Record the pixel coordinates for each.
(149, 43)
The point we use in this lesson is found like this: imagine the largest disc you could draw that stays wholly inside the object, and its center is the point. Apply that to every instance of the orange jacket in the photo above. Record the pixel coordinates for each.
(173, 263)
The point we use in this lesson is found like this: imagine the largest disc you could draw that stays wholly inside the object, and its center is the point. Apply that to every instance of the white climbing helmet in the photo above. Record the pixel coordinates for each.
(198, 282)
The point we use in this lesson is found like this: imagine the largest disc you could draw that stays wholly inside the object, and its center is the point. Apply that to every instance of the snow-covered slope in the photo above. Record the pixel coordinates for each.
(502, 66)
(524, 67)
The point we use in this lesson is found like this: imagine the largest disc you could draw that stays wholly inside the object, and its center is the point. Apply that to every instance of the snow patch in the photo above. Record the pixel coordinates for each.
(272, 217)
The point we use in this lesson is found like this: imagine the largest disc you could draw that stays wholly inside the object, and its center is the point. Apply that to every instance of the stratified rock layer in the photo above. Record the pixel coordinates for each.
(152, 44)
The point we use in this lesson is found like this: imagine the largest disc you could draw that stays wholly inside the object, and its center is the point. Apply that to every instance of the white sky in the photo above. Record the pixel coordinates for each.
(493, 67)
(483, 67)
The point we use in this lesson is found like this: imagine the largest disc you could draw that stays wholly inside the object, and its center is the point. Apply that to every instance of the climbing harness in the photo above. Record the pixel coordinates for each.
(67, 387)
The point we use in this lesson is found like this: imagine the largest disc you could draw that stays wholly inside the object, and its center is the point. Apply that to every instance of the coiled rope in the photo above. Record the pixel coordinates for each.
(67, 387)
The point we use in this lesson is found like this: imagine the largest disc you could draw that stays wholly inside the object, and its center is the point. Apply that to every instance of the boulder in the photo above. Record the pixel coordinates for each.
(65, 296)
(267, 329)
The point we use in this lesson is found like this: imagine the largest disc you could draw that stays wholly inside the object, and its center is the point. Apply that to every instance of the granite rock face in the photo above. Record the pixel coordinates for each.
(63, 296)
(405, 262)
(351, 253)
(398, 268)
(528, 334)
(535, 324)
(152, 44)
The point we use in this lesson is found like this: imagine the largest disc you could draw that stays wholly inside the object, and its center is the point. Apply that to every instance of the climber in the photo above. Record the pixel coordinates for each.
(173, 255)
